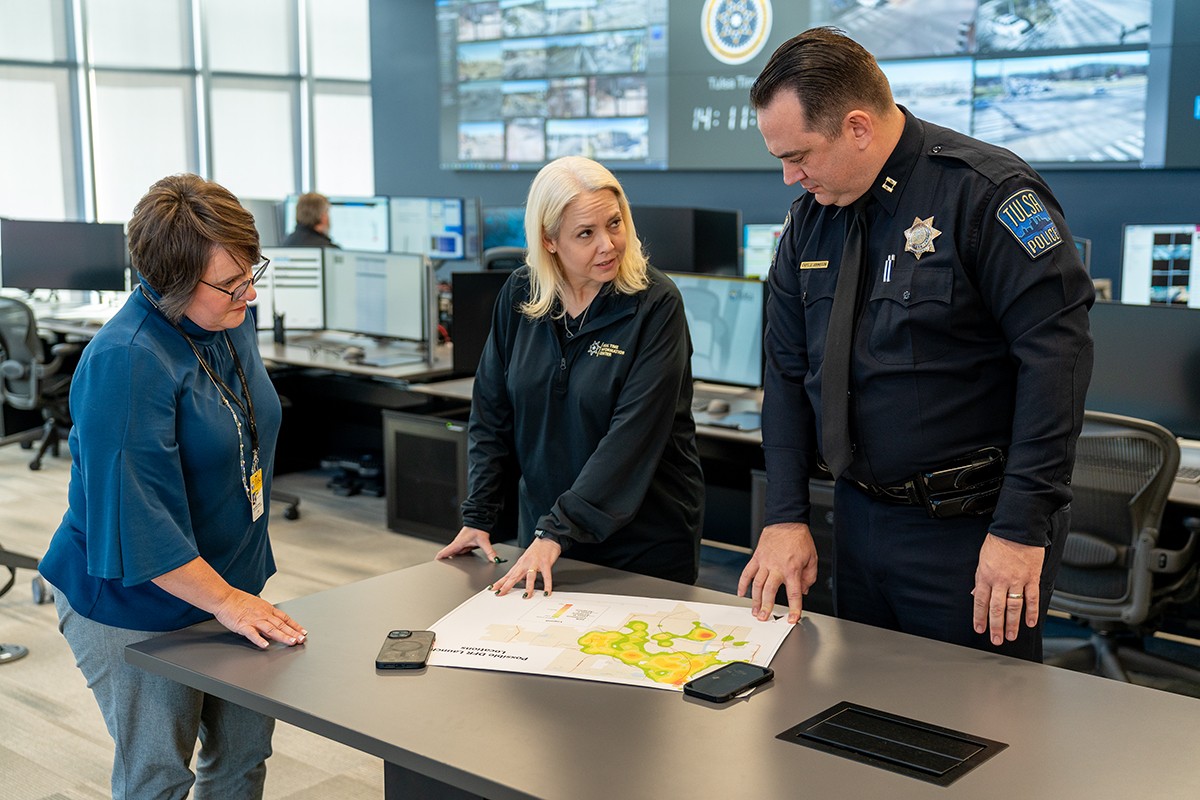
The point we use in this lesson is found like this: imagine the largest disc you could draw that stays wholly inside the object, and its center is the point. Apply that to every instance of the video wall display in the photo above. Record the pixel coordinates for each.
(664, 84)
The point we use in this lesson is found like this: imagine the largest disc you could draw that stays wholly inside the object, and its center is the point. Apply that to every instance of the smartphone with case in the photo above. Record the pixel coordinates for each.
(727, 682)
(405, 649)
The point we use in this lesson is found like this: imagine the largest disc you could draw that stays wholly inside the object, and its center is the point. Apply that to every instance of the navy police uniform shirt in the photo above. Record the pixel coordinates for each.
(973, 330)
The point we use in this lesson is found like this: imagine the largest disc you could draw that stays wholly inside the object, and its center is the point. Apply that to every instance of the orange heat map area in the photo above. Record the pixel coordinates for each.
(631, 645)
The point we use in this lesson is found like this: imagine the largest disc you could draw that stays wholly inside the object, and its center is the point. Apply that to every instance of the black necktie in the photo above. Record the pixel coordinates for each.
(839, 344)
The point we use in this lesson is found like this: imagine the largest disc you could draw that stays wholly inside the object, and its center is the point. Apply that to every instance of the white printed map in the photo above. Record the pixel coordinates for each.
(639, 641)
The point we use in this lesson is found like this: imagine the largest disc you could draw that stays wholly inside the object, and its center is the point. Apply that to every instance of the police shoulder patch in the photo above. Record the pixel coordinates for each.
(1027, 219)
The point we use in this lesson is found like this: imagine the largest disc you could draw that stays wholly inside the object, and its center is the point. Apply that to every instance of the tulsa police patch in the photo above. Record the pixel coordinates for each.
(1029, 221)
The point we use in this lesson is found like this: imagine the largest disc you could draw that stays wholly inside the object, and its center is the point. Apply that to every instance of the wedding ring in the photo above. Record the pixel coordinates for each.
(1015, 596)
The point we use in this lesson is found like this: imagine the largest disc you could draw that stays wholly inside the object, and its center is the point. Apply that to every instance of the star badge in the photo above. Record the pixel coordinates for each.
(920, 237)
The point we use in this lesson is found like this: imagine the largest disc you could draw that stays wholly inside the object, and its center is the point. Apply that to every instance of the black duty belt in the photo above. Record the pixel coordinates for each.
(963, 488)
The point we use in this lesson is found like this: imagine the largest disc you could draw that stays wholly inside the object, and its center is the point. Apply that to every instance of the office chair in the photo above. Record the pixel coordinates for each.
(29, 382)
(1120, 569)
(12, 562)
(503, 258)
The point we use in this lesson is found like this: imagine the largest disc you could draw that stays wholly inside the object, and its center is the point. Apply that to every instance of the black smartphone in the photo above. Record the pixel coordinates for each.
(727, 682)
(404, 649)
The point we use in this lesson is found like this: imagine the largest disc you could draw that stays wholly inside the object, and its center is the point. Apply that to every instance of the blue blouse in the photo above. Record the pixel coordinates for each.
(156, 473)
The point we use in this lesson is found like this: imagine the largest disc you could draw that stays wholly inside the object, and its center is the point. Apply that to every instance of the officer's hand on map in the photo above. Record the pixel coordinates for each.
(785, 556)
(538, 559)
(1007, 581)
(466, 541)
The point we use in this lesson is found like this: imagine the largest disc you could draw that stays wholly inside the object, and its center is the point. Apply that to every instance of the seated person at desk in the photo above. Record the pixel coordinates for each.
(172, 450)
(585, 384)
(312, 222)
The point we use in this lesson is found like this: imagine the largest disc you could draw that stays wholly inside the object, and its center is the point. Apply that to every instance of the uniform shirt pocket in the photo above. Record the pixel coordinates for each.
(911, 315)
(816, 290)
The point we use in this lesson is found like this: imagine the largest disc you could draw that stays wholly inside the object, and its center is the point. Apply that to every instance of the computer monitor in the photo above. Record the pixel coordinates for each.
(293, 286)
(1084, 248)
(503, 226)
(690, 239)
(377, 294)
(473, 298)
(438, 227)
(81, 256)
(266, 219)
(725, 318)
(1160, 265)
(759, 242)
(1147, 364)
(355, 223)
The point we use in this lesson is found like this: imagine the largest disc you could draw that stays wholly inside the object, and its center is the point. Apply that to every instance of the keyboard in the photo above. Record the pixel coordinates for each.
(1188, 474)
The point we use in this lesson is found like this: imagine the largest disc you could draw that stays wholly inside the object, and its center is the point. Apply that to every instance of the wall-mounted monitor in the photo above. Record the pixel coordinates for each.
(355, 223)
(663, 84)
(377, 294)
(725, 318)
(1160, 265)
(701, 240)
(293, 286)
(82, 256)
(503, 226)
(759, 242)
(443, 228)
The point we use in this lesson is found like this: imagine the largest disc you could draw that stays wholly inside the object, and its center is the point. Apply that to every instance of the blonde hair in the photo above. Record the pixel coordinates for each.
(556, 186)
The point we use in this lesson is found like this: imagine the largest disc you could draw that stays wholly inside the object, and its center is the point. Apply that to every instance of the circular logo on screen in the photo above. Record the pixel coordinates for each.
(735, 31)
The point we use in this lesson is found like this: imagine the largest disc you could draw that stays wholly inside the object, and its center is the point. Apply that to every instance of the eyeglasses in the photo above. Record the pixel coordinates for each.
(240, 290)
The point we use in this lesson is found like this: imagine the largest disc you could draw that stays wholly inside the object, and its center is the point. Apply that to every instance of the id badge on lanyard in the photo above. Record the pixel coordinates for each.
(257, 506)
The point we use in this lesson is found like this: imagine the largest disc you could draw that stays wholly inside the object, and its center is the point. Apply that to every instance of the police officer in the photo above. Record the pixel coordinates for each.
(966, 355)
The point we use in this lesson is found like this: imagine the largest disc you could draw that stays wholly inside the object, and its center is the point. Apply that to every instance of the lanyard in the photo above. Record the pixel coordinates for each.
(226, 394)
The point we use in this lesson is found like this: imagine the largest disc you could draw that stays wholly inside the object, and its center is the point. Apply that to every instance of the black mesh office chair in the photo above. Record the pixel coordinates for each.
(12, 562)
(1120, 568)
(503, 258)
(31, 383)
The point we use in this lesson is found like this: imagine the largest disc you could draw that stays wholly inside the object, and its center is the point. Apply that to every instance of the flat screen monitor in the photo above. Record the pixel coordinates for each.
(725, 318)
(759, 241)
(503, 226)
(1147, 364)
(431, 226)
(266, 219)
(1084, 248)
(473, 298)
(1160, 265)
(81, 256)
(681, 239)
(376, 294)
(355, 223)
(292, 286)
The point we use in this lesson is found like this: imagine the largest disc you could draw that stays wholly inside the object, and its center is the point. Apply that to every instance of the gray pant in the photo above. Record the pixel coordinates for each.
(155, 722)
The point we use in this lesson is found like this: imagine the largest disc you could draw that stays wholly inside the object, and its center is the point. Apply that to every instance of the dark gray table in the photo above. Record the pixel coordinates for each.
(506, 735)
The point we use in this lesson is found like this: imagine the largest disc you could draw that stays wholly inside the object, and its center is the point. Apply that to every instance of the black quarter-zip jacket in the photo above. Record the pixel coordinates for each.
(599, 426)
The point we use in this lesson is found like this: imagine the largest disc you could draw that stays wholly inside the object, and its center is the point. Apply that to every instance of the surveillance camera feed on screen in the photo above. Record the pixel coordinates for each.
(1160, 265)
(664, 84)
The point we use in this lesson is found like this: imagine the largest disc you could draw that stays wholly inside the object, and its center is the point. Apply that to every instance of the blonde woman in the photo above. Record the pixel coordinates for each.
(585, 388)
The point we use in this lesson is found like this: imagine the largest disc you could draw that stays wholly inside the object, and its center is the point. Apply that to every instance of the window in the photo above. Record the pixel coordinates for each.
(37, 144)
(269, 98)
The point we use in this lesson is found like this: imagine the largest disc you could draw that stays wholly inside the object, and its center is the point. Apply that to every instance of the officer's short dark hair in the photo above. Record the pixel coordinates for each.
(830, 74)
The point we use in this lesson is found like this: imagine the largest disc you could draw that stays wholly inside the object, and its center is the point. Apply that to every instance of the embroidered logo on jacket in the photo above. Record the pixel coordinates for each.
(599, 349)
(1029, 222)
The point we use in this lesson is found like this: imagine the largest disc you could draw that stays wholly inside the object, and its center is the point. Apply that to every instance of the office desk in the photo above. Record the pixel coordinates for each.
(323, 350)
(506, 735)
